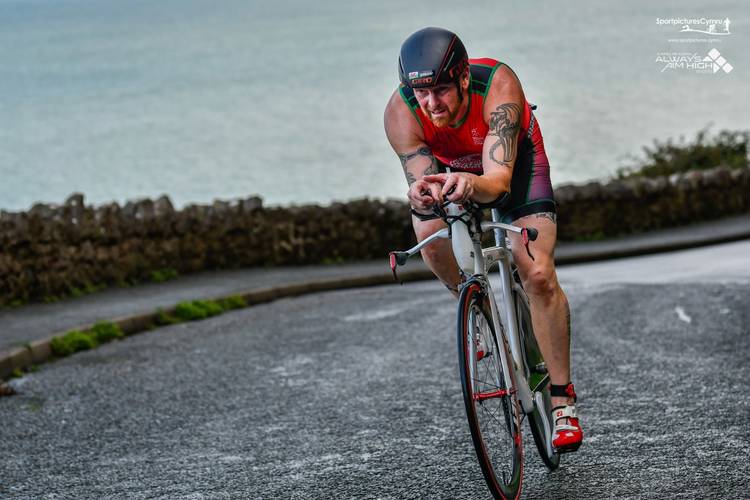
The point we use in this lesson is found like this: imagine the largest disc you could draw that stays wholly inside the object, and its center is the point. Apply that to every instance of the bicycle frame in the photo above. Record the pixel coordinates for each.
(521, 361)
(483, 260)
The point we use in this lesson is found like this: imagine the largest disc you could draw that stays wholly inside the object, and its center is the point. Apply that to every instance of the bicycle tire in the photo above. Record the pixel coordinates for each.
(538, 383)
(497, 440)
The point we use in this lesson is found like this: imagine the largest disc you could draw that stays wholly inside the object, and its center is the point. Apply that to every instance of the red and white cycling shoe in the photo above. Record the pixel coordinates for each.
(566, 437)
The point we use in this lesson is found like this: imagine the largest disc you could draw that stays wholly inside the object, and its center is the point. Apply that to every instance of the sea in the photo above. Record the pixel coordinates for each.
(283, 99)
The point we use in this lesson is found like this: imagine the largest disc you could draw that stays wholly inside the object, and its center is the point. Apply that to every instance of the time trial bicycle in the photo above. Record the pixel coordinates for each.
(503, 375)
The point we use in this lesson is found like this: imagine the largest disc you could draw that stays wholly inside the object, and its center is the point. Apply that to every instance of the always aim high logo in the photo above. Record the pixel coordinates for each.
(691, 61)
(718, 62)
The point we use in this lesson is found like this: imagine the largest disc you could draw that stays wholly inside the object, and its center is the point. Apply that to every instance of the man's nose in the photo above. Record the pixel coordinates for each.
(431, 99)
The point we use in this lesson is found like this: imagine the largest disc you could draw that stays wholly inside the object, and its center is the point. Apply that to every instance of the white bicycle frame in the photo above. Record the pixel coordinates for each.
(506, 325)
(484, 259)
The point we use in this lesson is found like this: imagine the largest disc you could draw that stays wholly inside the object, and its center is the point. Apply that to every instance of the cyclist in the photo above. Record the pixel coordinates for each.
(464, 124)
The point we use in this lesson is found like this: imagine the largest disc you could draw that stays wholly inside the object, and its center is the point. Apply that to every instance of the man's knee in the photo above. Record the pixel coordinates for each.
(434, 253)
(539, 280)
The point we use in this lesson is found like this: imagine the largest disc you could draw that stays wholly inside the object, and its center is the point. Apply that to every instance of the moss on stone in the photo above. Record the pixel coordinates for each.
(233, 302)
(162, 275)
(71, 342)
(104, 331)
(197, 309)
(164, 319)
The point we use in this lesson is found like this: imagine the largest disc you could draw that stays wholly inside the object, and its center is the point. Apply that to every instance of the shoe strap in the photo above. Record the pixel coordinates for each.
(565, 411)
(563, 391)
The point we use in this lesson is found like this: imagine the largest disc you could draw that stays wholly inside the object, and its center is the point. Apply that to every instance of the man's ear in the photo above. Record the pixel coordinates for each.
(465, 79)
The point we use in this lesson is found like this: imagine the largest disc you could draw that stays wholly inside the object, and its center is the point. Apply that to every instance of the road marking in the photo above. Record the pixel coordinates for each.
(681, 314)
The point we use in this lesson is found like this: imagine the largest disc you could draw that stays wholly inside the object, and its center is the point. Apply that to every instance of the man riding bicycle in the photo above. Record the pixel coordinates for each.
(463, 130)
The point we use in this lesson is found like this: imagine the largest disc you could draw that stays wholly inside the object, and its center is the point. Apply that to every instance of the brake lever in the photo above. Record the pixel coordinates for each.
(527, 235)
(397, 259)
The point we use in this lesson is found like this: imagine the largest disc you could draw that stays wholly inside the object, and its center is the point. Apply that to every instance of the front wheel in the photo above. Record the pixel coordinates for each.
(492, 405)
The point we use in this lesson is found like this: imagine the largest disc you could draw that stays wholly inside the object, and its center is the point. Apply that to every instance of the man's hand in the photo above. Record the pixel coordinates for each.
(462, 182)
(423, 195)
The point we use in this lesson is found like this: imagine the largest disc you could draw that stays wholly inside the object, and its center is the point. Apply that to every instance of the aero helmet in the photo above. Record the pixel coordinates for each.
(431, 56)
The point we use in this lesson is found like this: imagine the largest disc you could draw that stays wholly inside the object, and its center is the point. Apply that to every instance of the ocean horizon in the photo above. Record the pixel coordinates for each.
(284, 100)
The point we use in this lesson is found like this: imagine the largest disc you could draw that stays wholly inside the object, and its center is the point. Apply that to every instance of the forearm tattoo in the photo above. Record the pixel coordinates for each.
(423, 151)
(504, 124)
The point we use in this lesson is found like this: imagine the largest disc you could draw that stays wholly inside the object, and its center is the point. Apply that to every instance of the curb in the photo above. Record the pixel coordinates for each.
(584, 256)
(40, 351)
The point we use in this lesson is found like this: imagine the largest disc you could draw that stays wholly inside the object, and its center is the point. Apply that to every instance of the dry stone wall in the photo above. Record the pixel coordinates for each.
(58, 250)
(619, 207)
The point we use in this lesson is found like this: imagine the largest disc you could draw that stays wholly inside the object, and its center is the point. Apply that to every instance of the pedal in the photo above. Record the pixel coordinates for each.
(568, 449)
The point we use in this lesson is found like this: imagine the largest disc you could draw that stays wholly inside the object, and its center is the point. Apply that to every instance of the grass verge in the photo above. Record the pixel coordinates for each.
(199, 309)
(78, 340)
(105, 331)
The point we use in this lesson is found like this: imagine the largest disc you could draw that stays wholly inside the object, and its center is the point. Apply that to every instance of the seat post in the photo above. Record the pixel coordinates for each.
(499, 233)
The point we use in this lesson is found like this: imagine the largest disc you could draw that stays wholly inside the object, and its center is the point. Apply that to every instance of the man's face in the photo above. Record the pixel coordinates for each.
(442, 103)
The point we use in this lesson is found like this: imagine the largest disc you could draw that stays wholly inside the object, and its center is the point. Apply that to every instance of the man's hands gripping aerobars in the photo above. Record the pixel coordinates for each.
(423, 195)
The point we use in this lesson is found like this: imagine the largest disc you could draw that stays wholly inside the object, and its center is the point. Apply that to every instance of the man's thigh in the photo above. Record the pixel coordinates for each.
(424, 228)
(543, 248)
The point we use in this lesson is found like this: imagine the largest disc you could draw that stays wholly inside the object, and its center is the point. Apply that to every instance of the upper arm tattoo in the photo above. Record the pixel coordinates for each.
(504, 124)
(423, 151)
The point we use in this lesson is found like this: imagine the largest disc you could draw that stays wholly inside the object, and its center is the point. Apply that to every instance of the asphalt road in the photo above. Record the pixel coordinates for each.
(355, 394)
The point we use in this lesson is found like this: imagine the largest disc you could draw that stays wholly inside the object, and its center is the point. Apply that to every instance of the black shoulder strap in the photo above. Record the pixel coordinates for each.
(407, 94)
(481, 76)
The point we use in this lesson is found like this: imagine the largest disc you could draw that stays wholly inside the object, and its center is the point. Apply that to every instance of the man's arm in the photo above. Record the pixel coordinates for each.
(416, 169)
(407, 140)
(503, 111)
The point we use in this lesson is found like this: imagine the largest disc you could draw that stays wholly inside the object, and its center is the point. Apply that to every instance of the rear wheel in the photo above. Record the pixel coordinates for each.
(540, 422)
(540, 419)
(492, 405)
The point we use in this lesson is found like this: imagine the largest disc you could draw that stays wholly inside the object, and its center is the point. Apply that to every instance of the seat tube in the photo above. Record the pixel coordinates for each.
(499, 233)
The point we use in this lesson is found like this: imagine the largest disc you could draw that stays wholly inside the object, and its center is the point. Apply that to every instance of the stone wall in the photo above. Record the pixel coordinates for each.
(58, 250)
(595, 210)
